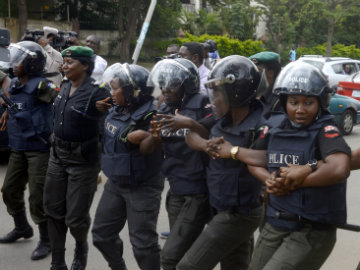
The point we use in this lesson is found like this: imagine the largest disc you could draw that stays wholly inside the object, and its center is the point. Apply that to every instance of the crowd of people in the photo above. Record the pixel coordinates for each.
(244, 145)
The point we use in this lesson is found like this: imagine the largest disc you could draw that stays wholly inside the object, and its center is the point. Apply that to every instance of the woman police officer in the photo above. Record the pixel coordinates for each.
(133, 190)
(74, 164)
(300, 231)
(233, 192)
(187, 202)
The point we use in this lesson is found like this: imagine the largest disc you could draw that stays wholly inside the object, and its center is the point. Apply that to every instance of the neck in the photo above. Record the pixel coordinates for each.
(78, 81)
(23, 79)
(239, 114)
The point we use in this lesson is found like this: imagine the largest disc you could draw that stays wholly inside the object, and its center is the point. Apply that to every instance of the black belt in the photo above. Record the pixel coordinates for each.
(65, 144)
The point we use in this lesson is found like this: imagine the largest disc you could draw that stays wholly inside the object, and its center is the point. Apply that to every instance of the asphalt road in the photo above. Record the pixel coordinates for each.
(16, 256)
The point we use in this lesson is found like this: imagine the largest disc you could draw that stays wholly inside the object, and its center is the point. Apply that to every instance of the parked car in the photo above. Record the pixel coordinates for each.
(335, 68)
(346, 111)
(350, 86)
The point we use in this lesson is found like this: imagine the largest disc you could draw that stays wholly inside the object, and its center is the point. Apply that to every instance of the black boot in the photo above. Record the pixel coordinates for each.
(43, 247)
(80, 256)
(58, 260)
(22, 230)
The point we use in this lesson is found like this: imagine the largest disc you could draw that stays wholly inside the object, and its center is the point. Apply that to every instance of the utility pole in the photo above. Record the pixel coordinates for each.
(144, 30)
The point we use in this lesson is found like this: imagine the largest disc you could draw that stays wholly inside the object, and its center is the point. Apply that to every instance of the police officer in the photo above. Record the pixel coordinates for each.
(233, 192)
(269, 63)
(29, 127)
(187, 202)
(74, 159)
(300, 231)
(133, 190)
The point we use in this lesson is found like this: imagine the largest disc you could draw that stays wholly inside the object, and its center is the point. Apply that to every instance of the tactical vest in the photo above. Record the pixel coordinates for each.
(184, 167)
(318, 204)
(119, 163)
(29, 129)
(229, 181)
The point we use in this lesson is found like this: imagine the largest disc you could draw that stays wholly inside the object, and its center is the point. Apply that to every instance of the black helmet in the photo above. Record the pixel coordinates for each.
(132, 79)
(299, 78)
(212, 45)
(238, 78)
(31, 54)
(174, 73)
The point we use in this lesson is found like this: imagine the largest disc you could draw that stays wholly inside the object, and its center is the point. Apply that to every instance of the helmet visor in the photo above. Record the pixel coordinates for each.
(121, 74)
(4, 55)
(301, 79)
(18, 54)
(168, 74)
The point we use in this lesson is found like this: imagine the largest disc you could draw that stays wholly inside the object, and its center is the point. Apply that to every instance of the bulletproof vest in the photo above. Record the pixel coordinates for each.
(184, 167)
(121, 163)
(29, 129)
(231, 186)
(318, 204)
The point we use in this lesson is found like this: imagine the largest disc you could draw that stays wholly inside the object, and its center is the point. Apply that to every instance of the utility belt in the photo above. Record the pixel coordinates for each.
(292, 222)
(243, 210)
(67, 145)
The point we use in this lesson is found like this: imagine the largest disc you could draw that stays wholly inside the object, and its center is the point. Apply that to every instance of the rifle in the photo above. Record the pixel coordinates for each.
(9, 104)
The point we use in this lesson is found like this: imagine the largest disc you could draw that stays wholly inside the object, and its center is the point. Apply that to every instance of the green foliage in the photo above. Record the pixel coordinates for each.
(201, 22)
(340, 50)
(227, 46)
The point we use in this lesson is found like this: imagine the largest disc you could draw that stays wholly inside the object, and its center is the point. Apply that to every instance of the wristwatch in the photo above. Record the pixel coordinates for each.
(233, 151)
(312, 163)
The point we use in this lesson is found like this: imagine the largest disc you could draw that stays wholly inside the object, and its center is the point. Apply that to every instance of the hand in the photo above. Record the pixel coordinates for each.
(174, 122)
(212, 146)
(294, 175)
(103, 105)
(275, 185)
(155, 128)
(223, 150)
(3, 120)
(136, 137)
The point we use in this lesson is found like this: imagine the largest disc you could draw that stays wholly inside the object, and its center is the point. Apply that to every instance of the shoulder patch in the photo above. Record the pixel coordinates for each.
(102, 85)
(331, 131)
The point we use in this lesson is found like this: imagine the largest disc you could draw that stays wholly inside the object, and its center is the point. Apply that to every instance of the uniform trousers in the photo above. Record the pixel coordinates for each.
(25, 167)
(307, 248)
(70, 185)
(228, 238)
(139, 206)
(188, 215)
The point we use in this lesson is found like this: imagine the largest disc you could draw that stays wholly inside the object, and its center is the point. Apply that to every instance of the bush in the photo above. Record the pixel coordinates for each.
(227, 46)
(339, 50)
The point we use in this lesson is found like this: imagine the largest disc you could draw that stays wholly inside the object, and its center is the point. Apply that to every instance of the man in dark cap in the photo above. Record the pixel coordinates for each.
(268, 61)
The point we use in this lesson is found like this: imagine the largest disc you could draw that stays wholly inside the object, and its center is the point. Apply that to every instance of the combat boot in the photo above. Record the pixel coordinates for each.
(22, 230)
(43, 247)
(58, 260)
(80, 256)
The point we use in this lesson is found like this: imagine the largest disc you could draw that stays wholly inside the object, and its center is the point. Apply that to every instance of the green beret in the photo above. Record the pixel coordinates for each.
(77, 51)
(264, 57)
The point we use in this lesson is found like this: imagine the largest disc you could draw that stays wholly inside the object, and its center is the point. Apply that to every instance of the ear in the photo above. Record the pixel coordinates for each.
(195, 58)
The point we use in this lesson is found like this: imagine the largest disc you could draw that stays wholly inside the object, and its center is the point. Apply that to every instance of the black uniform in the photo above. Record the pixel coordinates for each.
(74, 162)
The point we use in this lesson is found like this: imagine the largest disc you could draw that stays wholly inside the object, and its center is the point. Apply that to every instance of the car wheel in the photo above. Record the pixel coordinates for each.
(346, 122)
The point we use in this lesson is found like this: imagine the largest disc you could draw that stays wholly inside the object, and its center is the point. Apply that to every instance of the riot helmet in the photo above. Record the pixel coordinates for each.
(132, 79)
(299, 78)
(174, 74)
(237, 78)
(31, 54)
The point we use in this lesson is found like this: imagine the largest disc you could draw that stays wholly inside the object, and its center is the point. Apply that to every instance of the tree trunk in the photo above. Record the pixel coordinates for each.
(22, 17)
(331, 26)
(129, 33)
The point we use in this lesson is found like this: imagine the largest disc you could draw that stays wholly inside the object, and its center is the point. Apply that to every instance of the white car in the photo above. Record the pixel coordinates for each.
(335, 68)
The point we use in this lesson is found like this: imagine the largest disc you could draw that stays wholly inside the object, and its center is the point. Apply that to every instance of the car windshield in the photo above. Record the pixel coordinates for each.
(317, 64)
(344, 68)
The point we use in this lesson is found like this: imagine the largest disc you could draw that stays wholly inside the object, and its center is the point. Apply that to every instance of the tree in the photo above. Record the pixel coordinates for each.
(277, 14)
(22, 17)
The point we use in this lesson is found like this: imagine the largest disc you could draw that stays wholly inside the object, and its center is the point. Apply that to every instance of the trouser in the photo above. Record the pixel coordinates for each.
(228, 239)
(25, 167)
(139, 206)
(193, 212)
(307, 248)
(69, 190)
